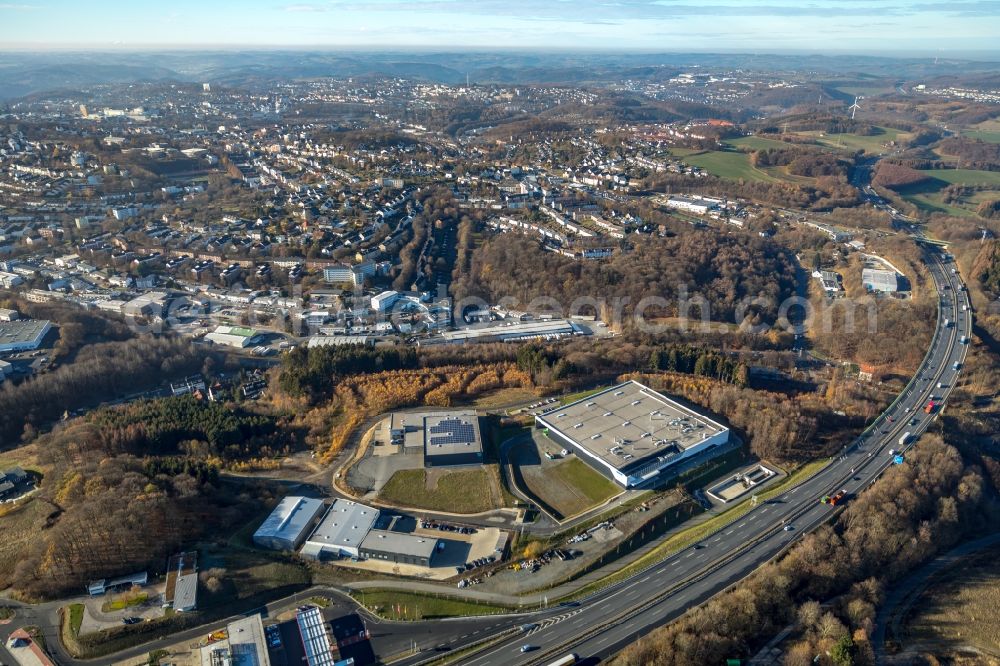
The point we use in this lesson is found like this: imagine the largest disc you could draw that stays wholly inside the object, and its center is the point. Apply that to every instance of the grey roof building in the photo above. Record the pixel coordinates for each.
(452, 439)
(23, 334)
(341, 531)
(288, 524)
(399, 547)
(879, 280)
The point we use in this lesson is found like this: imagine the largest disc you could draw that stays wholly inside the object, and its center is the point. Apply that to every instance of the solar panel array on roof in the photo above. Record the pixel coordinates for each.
(451, 431)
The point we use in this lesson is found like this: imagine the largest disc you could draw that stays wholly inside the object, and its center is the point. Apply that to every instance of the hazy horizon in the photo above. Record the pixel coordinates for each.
(895, 28)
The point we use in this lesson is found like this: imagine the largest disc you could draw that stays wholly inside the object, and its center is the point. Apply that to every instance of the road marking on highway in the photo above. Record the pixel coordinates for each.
(741, 524)
(644, 579)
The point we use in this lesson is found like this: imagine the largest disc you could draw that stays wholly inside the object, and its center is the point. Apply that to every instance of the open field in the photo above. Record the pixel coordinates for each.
(964, 176)
(728, 164)
(988, 131)
(854, 142)
(396, 605)
(927, 195)
(20, 523)
(756, 143)
(454, 491)
(568, 486)
(959, 610)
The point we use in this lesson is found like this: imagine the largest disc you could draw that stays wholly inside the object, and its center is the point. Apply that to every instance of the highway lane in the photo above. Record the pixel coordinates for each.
(646, 600)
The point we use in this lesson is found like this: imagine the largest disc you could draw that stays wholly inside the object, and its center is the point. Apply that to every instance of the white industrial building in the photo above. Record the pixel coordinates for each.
(233, 336)
(692, 204)
(287, 526)
(341, 531)
(878, 280)
(630, 433)
(382, 302)
(508, 331)
(23, 335)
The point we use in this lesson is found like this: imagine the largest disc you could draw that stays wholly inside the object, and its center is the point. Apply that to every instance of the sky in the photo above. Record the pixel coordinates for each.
(918, 27)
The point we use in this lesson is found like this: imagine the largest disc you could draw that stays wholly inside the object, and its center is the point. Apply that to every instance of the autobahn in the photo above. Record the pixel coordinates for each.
(609, 620)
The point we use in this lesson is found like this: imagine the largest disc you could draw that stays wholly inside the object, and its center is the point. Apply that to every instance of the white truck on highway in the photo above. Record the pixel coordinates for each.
(903, 440)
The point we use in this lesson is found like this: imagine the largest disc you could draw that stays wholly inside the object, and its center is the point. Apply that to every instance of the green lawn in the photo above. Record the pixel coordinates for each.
(75, 618)
(731, 165)
(927, 195)
(756, 143)
(965, 176)
(456, 491)
(983, 135)
(395, 605)
(576, 473)
(854, 142)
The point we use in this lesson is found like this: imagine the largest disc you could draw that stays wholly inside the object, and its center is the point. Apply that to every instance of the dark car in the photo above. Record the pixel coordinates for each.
(131, 620)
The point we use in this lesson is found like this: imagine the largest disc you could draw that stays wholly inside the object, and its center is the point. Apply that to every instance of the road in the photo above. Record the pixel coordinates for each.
(603, 623)
(609, 620)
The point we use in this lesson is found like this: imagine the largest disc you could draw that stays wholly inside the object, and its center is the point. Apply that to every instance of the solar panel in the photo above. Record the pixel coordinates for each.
(452, 431)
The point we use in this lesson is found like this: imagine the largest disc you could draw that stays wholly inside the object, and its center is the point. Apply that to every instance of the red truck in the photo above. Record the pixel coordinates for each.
(930, 407)
(834, 500)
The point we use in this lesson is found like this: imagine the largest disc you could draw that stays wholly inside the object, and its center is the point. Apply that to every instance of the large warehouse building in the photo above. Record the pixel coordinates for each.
(341, 531)
(630, 433)
(22, 335)
(288, 524)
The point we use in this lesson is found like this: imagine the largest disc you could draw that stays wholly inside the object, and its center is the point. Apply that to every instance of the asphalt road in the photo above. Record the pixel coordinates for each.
(609, 620)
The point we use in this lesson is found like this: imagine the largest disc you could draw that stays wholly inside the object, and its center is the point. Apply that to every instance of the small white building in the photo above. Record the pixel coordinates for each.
(288, 524)
(233, 336)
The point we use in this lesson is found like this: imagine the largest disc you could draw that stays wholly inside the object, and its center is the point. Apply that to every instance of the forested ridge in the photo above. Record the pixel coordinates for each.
(99, 372)
(725, 270)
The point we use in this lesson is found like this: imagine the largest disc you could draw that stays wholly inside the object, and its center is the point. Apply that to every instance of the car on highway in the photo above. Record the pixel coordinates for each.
(789, 528)
(528, 648)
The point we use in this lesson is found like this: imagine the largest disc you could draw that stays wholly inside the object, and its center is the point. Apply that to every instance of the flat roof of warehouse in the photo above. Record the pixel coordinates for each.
(629, 422)
(345, 525)
(22, 330)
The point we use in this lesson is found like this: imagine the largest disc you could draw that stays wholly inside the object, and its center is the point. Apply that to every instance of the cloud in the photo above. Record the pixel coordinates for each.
(18, 8)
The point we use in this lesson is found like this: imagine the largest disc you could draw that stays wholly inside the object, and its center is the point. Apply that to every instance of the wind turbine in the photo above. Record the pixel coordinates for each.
(854, 107)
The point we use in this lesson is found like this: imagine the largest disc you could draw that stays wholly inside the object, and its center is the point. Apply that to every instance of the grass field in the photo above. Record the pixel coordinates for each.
(927, 195)
(983, 135)
(395, 605)
(854, 142)
(960, 609)
(568, 486)
(988, 131)
(455, 491)
(20, 524)
(756, 143)
(965, 176)
(731, 165)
